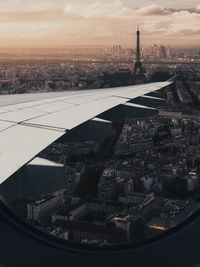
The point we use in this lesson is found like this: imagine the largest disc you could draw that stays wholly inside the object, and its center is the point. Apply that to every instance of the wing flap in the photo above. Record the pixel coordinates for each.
(20, 144)
(71, 118)
(21, 115)
(4, 125)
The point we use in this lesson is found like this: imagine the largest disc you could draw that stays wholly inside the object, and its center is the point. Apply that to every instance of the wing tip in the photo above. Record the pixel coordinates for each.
(173, 79)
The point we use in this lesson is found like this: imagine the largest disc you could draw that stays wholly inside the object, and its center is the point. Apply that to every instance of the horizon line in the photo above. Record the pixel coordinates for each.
(97, 46)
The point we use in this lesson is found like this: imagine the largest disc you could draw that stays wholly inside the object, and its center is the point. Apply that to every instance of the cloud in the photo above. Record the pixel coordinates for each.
(115, 8)
(166, 25)
(187, 32)
(31, 16)
(153, 10)
(30, 5)
(100, 9)
(98, 22)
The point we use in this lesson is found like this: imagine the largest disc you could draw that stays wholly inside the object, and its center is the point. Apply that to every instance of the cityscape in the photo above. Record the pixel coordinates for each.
(135, 185)
(47, 70)
(142, 181)
(50, 70)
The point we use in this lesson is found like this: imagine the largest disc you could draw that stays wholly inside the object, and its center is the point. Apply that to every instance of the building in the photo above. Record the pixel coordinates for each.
(193, 181)
(137, 200)
(128, 187)
(58, 232)
(176, 131)
(170, 214)
(87, 232)
(155, 51)
(109, 184)
(42, 208)
(133, 225)
(163, 52)
(169, 52)
(92, 207)
(71, 213)
(147, 183)
(159, 52)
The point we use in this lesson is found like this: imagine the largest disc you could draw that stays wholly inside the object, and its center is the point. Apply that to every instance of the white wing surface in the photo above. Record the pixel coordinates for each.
(29, 123)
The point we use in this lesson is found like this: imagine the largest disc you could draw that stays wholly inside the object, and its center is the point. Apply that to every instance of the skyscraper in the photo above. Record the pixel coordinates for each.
(169, 51)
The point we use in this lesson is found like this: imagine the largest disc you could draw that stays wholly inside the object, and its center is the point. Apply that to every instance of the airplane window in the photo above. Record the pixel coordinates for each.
(100, 143)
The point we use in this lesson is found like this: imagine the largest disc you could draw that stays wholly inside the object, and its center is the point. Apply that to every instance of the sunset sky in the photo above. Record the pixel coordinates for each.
(58, 23)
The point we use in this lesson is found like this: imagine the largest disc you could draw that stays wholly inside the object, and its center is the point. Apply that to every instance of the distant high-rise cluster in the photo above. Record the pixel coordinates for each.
(119, 51)
(116, 50)
(162, 51)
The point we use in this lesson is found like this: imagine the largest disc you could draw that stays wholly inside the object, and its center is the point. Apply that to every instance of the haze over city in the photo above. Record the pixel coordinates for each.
(42, 23)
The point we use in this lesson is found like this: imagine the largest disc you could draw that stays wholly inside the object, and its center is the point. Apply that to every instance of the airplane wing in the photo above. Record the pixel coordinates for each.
(31, 122)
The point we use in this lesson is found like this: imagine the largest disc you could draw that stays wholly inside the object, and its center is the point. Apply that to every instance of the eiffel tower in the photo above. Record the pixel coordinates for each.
(138, 69)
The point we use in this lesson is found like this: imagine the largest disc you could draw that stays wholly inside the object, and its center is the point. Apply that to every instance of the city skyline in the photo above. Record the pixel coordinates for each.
(33, 24)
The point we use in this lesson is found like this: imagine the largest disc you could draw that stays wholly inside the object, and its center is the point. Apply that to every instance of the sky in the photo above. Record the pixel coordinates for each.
(60, 23)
